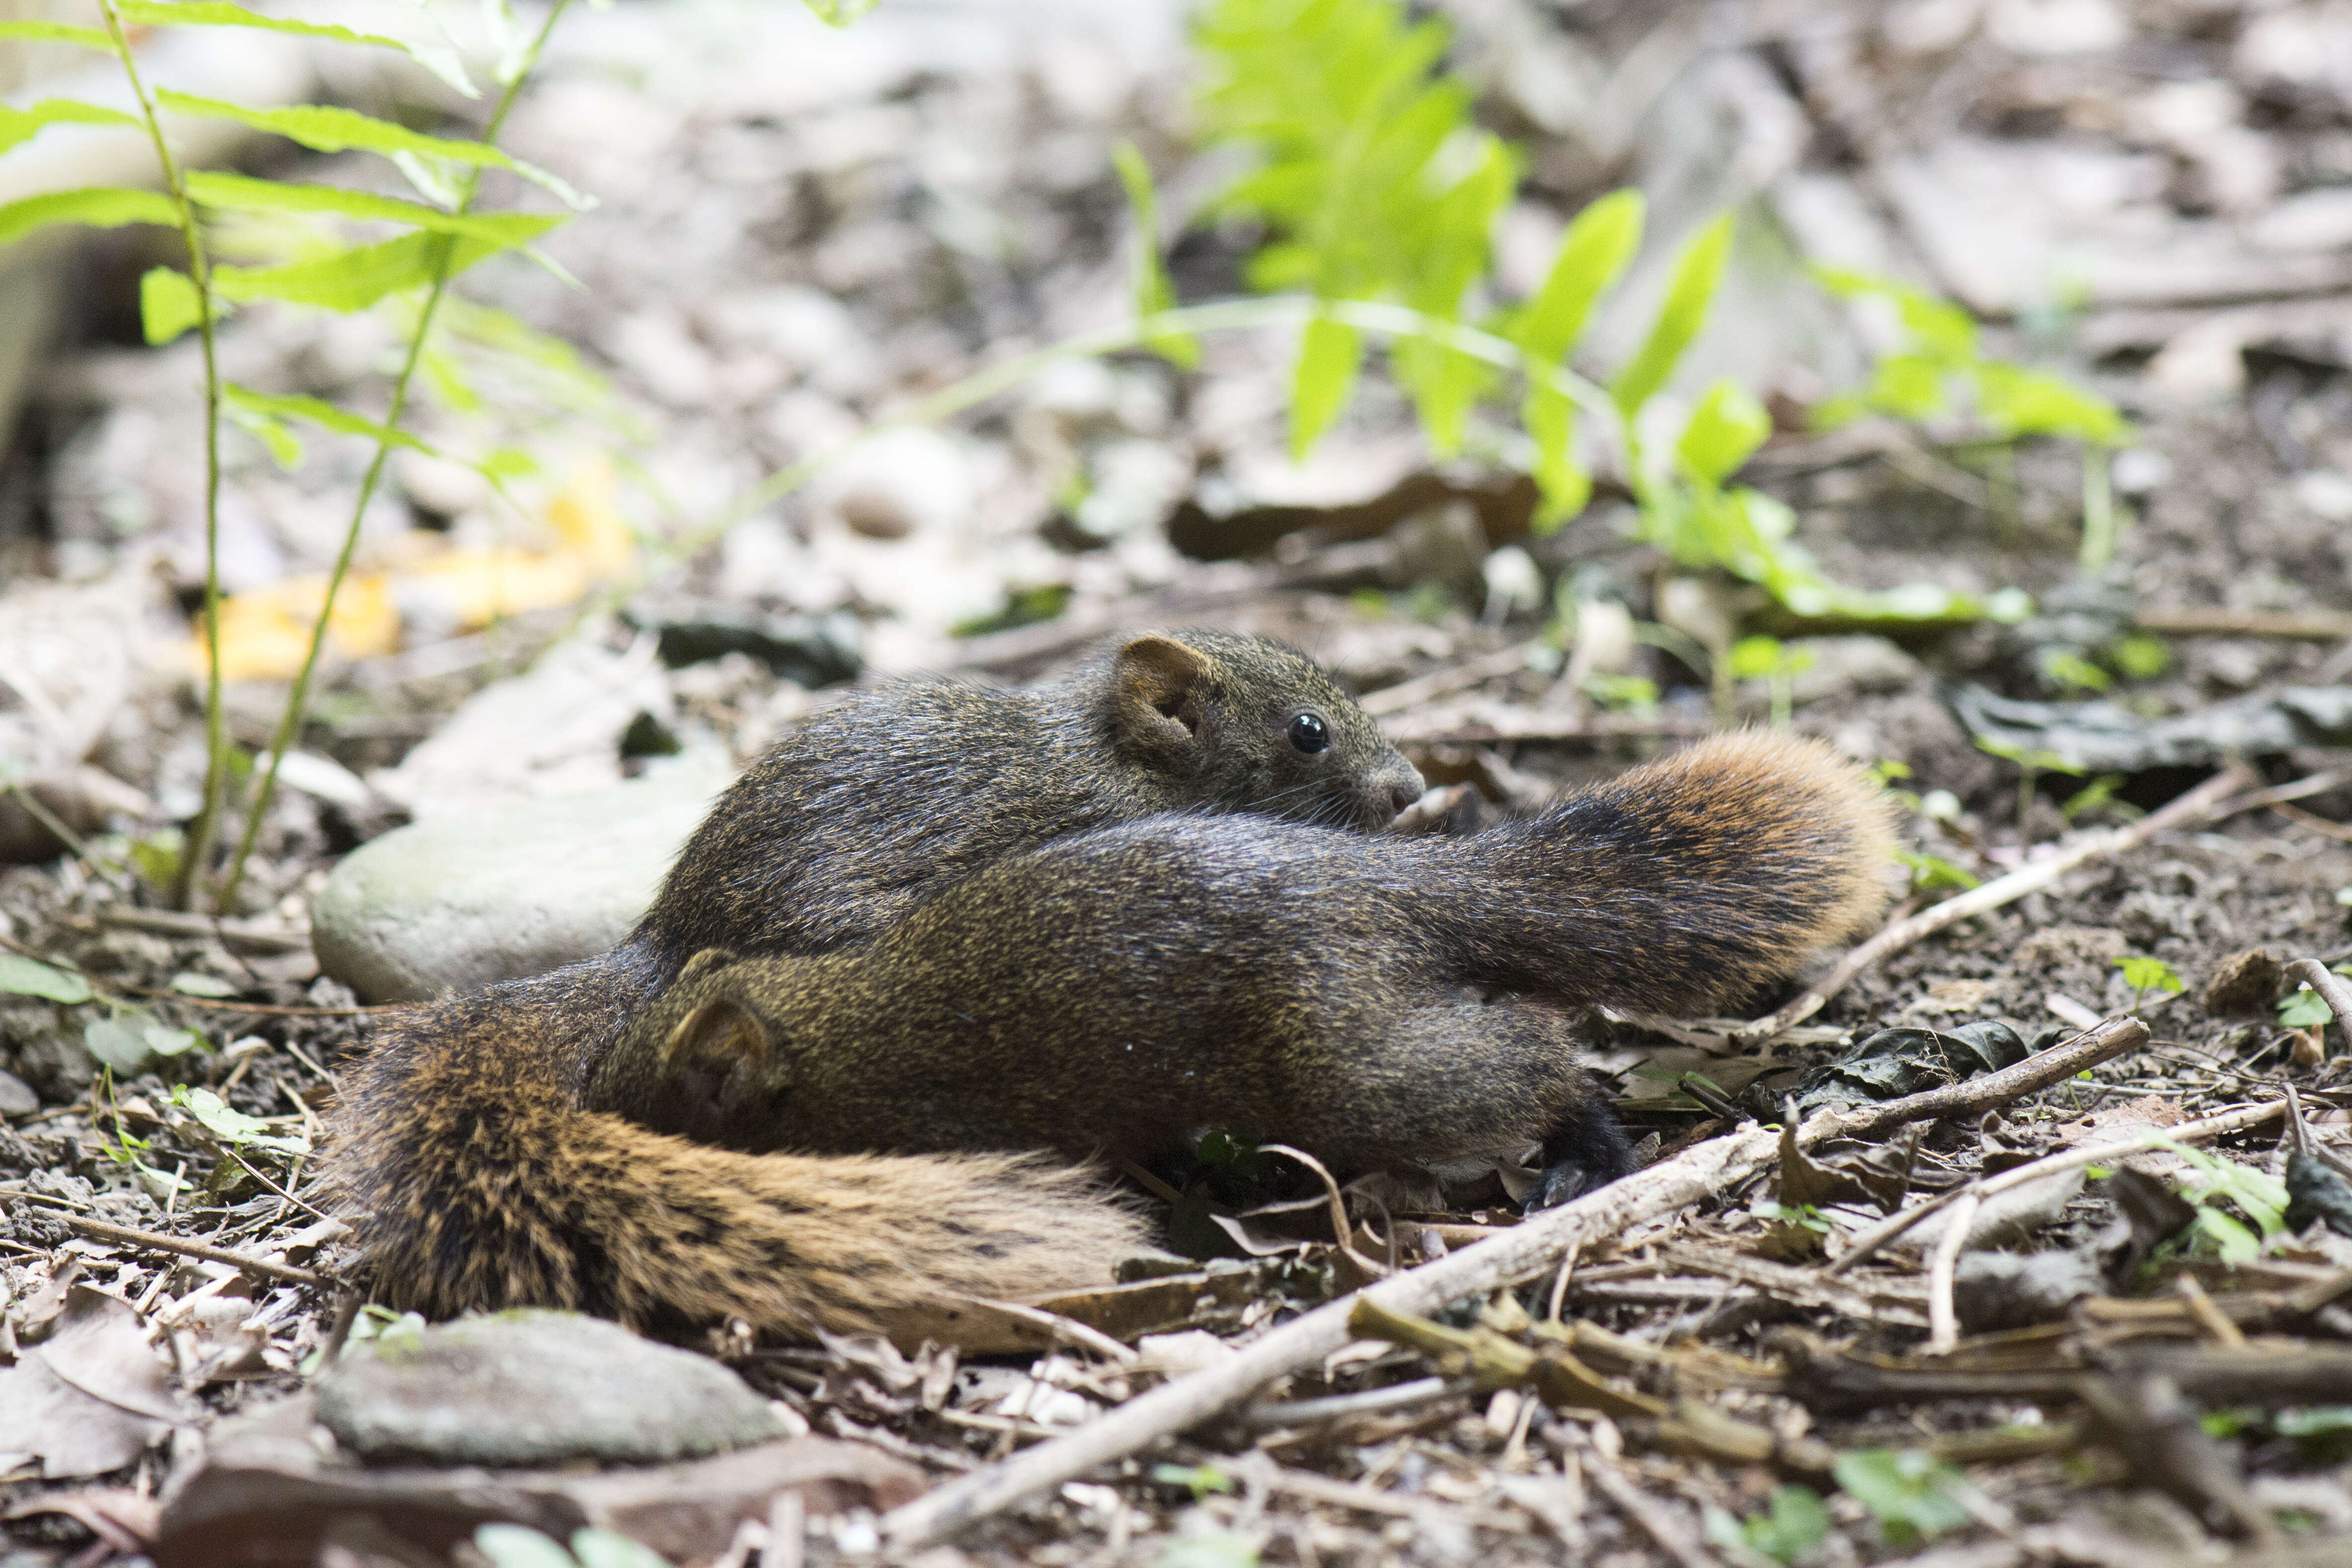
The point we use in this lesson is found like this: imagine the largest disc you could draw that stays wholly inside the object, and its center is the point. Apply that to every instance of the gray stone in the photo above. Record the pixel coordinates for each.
(509, 891)
(536, 1388)
(17, 1096)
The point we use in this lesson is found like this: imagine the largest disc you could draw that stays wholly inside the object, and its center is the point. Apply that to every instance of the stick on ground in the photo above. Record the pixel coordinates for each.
(2193, 806)
(1532, 1247)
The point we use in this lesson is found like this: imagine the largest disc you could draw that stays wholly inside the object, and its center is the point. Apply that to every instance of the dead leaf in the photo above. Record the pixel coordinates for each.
(92, 1396)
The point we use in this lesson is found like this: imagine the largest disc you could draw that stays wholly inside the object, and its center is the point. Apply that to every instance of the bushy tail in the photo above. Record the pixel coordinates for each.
(477, 1181)
(1684, 884)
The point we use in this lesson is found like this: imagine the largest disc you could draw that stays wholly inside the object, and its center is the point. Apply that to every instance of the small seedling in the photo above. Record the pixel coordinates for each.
(1913, 1495)
(2144, 974)
(2305, 1009)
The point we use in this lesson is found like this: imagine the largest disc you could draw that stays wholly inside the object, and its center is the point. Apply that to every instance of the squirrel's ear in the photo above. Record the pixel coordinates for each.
(703, 963)
(1157, 687)
(717, 1038)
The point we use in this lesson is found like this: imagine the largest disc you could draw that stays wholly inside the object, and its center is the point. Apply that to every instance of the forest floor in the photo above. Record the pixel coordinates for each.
(801, 230)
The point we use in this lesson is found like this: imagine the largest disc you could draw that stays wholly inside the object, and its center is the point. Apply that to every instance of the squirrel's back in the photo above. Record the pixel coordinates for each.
(477, 1177)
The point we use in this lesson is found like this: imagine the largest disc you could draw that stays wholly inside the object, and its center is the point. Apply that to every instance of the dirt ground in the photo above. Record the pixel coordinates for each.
(942, 178)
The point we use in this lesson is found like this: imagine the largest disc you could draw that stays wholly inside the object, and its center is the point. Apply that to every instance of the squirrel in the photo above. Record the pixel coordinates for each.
(463, 1126)
(1120, 988)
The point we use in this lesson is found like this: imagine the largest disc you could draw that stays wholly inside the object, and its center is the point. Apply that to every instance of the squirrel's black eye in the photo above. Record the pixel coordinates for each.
(1308, 733)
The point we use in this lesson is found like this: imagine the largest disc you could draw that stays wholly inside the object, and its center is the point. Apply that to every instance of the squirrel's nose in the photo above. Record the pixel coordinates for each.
(1404, 795)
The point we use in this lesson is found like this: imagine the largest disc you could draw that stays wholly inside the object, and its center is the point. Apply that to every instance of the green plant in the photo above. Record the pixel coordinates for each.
(2216, 1187)
(444, 235)
(1376, 186)
(1787, 1532)
(1939, 369)
(2032, 763)
(518, 1546)
(1913, 1495)
(2145, 974)
(2303, 1008)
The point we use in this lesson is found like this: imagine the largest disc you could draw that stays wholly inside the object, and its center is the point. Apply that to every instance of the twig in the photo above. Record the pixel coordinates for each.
(1644, 1511)
(1527, 1250)
(1500, 722)
(2316, 626)
(1274, 1413)
(1942, 1320)
(2312, 820)
(2331, 988)
(1444, 682)
(1894, 1224)
(2191, 808)
(99, 1230)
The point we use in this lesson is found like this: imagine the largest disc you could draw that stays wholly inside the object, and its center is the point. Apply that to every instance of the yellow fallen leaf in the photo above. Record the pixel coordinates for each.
(475, 587)
(586, 518)
(264, 633)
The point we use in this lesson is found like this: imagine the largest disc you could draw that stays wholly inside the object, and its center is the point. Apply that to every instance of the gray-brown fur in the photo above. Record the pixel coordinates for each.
(1122, 989)
(476, 1178)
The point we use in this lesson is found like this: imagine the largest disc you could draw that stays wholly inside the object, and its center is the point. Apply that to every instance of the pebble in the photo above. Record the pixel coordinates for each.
(901, 481)
(461, 902)
(531, 1387)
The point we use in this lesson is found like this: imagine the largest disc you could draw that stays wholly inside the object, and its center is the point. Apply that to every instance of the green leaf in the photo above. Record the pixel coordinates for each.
(1909, 1490)
(244, 194)
(1565, 486)
(441, 62)
(2305, 1009)
(1724, 431)
(126, 1040)
(98, 206)
(168, 304)
(23, 124)
(1797, 1523)
(58, 33)
(324, 128)
(21, 977)
(2143, 973)
(519, 1546)
(1217, 1549)
(1329, 354)
(609, 1548)
(1153, 291)
(189, 982)
(1692, 289)
(285, 448)
(232, 1126)
(838, 13)
(1592, 255)
(320, 413)
(2016, 401)
(353, 279)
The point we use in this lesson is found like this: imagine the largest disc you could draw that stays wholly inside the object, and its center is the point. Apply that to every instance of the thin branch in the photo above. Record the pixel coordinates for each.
(445, 247)
(198, 846)
(1894, 1224)
(2193, 806)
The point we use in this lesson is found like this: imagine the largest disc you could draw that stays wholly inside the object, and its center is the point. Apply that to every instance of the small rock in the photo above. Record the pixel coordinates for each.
(2244, 982)
(536, 1388)
(505, 892)
(1995, 1291)
(554, 730)
(901, 481)
(17, 1096)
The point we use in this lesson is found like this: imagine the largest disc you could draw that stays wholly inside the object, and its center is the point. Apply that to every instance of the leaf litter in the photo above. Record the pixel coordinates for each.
(2152, 1365)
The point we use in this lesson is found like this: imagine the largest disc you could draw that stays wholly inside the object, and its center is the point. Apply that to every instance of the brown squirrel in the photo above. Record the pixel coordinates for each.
(460, 1141)
(1119, 987)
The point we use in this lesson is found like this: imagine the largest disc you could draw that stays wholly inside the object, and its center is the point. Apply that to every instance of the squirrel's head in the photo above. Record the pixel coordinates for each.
(1253, 725)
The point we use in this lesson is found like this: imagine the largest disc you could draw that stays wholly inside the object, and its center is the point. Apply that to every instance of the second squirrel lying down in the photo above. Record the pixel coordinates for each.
(1121, 989)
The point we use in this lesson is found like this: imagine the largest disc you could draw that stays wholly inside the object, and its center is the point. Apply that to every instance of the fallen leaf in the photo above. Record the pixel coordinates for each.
(91, 1397)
